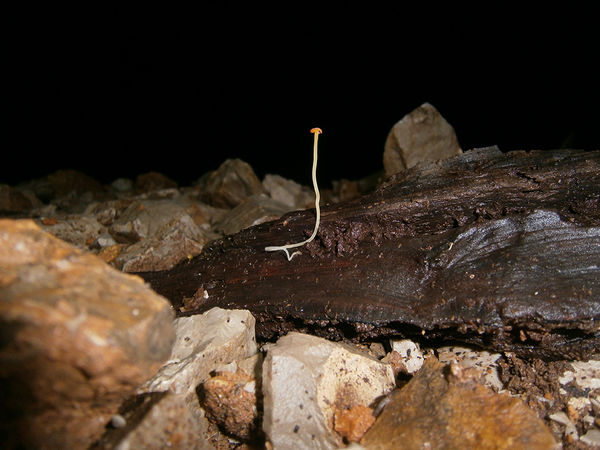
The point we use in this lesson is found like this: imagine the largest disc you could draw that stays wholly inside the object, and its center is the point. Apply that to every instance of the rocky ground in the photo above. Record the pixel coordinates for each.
(91, 357)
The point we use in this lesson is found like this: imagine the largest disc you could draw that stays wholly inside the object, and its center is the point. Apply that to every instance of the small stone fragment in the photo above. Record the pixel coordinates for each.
(203, 343)
(353, 423)
(78, 337)
(230, 184)
(423, 135)
(411, 357)
(484, 362)
(306, 378)
(440, 410)
(81, 231)
(229, 399)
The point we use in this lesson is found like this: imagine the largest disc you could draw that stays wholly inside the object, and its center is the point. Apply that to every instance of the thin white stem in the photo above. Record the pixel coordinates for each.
(285, 248)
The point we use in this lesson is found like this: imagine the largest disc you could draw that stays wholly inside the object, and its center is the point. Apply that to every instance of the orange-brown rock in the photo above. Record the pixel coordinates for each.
(230, 401)
(353, 423)
(77, 337)
(445, 407)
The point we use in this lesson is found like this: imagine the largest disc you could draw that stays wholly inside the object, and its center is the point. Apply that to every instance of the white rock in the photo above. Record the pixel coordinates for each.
(484, 362)
(305, 378)
(412, 357)
(288, 192)
(586, 375)
(203, 343)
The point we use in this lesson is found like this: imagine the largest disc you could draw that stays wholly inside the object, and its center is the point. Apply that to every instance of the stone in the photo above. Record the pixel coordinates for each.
(230, 184)
(153, 181)
(203, 343)
(78, 337)
(144, 218)
(484, 362)
(411, 357)
(230, 400)
(445, 407)
(157, 420)
(252, 211)
(423, 135)
(289, 193)
(12, 200)
(175, 241)
(306, 378)
(353, 423)
(80, 231)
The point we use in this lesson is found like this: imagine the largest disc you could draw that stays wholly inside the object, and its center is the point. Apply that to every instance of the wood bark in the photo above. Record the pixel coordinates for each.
(500, 250)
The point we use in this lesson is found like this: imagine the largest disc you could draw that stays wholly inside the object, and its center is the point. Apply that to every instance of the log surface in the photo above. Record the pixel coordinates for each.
(501, 250)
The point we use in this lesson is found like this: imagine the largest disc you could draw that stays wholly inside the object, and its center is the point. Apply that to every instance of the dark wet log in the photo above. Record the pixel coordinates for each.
(498, 250)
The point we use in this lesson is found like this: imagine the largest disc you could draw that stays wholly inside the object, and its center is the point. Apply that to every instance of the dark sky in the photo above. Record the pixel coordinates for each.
(121, 91)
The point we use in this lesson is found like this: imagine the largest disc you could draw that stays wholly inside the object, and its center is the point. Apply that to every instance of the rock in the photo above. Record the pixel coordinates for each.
(13, 200)
(157, 420)
(78, 337)
(229, 399)
(305, 379)
(80, 231)
(144, 218)
(254, 210)
(230, 184)
(423, 135)
(289, 193)
(203, 343)
(353, 423)
(153, 181)
(411, 357)
(446, 408)
(484, 362)
(175, 241)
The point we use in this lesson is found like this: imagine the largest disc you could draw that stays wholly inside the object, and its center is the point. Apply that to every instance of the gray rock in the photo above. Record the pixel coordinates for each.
(80, 231)
(422, 135)
(143, 218)
(484, 363)
(230, 184)
(78, 337)
(305, 379)
(175, 241)
(252, 211)
(289, 193)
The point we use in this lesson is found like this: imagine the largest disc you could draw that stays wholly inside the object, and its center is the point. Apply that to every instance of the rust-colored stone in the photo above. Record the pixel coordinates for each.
(77, 337)
(444, 407)
(353, 423)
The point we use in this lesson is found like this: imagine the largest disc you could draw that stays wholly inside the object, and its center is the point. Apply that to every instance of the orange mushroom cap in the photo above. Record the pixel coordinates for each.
(316, 130)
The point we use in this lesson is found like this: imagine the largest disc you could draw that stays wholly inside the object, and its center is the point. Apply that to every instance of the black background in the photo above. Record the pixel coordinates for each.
(119, 91)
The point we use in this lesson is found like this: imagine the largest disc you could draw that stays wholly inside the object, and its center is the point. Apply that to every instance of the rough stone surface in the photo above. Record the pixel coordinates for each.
(230, 184)
(305, 378)
(78, 337)
(175, 241)
(158, 420)
(254, 210)
(353, 423)
(230, 400)
(446, 408)
(13, 200)
(204, 343)
(420, 136)
(288, 192)
(484, 362)
(81, 232)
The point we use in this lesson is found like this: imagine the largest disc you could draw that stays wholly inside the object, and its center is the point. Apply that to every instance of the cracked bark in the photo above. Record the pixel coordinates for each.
(497, 250)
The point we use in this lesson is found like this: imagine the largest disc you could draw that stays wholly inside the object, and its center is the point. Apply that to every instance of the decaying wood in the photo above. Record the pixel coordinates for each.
(499, 250)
